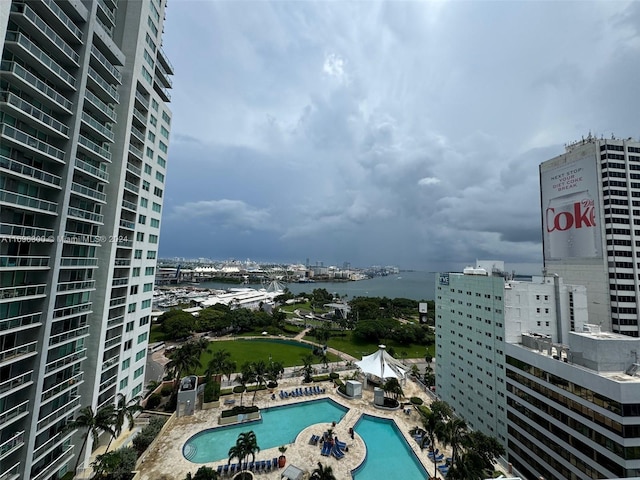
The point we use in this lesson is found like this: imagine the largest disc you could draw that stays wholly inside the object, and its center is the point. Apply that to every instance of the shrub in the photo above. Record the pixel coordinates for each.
(423, 409)
(166, 390)
(239, 389)
(154, 400)
(211, 391)
(272, 384)
(203, 473)
(143, 439)
(333, 375)
(321, 378)
(342, 389)
(239, 410)
(117, 464)
(416, 400)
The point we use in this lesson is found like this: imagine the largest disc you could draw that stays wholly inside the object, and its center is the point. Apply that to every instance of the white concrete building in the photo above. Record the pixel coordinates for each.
(590, 199)
(84, 136)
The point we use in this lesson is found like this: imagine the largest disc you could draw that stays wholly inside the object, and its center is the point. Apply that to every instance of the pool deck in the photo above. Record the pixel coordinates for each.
(166, 462)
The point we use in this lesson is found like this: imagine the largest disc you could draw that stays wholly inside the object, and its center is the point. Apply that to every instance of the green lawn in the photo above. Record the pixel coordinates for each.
(288, 352)
(359, 348)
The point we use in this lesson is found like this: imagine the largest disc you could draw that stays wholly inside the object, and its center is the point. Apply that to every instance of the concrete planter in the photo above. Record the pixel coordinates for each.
(238, 418)
(210, 405)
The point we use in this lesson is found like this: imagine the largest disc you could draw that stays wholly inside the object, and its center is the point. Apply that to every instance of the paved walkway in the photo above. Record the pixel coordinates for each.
(166, 462)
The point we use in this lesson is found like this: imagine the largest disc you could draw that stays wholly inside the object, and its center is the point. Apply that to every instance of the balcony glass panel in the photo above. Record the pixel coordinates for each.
(32, 142)
(96, 172)
(44, 89)
(24, 261)
(32, 111)
(27, 171)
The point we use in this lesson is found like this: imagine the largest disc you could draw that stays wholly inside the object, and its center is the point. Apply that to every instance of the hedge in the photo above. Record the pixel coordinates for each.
(416, 400)
(239, 410)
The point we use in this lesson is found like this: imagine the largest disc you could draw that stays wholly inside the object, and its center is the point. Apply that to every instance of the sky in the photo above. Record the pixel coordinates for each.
(384, 133)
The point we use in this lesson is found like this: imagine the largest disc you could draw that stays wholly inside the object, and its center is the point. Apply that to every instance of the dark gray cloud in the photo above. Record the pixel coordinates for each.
(404, 133)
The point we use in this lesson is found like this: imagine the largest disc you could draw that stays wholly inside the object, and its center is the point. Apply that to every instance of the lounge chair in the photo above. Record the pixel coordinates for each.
(340, 445)
(326, 449)
(336, 452)
(312, 439)
(274, 462)
(219, 469)
(251, 466)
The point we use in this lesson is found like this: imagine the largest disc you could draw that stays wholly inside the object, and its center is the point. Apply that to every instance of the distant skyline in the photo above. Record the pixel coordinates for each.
(393, 133)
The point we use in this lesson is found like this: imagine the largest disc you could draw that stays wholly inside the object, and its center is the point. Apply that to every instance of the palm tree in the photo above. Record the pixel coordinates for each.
(259, 371)
(454, 433)
(307, 369)
(245, 377)
(322, 473)
(184, 361)
(101, 421)
(124, 411)
(393, 387)
(433, 422)
(246, 446)
(218, 363)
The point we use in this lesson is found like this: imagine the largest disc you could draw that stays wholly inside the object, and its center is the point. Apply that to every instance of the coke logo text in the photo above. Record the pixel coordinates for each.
(580, 214)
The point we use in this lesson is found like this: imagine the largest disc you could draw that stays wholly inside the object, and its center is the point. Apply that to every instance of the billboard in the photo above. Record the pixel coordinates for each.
(570, 219)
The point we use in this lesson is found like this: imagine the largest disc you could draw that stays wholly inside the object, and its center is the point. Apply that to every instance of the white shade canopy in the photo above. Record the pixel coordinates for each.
(382, 365)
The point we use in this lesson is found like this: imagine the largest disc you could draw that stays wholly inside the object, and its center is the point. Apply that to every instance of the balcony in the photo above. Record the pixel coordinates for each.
(125, 243)
(65, 361)
(114, 302)
(98, 128)
(27, 202)
(131, 187)
(165, 61)
(17, 382)
(50, 445)
(122, 262)
(27, 112)
(12, 444)
(163, 76)
(63, 386)
(162, 91)
(63, 19)
(143, 101)
(109, 91)
(12, 414)
(107, 364)
(112, 342)
(24, 233)
(140, 117)
(93, 148)
(46, 67)
(109, 382)
(18, 353)
(28, 172)
(125, 224)
(76, 286)
(78, 262)
(70, 335)
(114, 322)
(68, 407)
(24, 261)
(88, 192)
(119, 282)
(76, 237)
(85, 215)
(22, 293)
(129, 205)
(22, 322)
(46, 32)
(107, 13)
(12, 473)
(21, 139)
(65, 456)
(137, 133)
(106, 65)
(101, 108)
(37, 87)
(95, 172)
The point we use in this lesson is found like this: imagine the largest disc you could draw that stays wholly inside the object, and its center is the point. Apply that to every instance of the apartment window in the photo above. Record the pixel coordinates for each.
(153, 120)
(140, 236)
(145, 304)
(151, 43)
(126, 363)
(136, 391)
(123, 383)
(148, 287)
(152, 26)
(163, 147)
(166, 118)
(144, 202)
(144, 321)
(133, 290)
(142, 219)
(137, 254)
(149, 271)
(153, 238)
(154, 104)
(147, 169)
(147, 75)
(538, 310)
(142, 337)
(138, 372)
(164, 132)
(161, 161)
(140, 355)
(156, 207)
(135, 272)
(151, 136)
(127, 345)
(154, 12)
(155, 223)
(150, 155)
(148, 58)
(160, 177)
(157, 192)
(151, 254)
(131, 308)
(145, 185)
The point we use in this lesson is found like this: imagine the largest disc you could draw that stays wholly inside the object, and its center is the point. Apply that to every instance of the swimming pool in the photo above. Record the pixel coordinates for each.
(388, 453)
(278, 426)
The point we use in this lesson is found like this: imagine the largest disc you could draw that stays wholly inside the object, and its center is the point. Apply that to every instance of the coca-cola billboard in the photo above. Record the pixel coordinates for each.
(570, 220)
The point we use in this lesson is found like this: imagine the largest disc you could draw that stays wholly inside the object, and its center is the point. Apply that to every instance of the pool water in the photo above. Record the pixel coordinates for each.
(388, 453)
(278, 426)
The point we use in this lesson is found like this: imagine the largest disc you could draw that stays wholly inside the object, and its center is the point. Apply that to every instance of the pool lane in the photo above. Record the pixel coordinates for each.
(388, 453)
(279, 426)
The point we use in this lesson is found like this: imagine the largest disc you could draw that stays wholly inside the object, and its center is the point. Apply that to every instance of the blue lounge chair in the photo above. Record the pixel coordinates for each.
(274, 463)
(326, 449)
(219, 469)
(336, 452)
(312, 439)
(252, 466)
(232, 469)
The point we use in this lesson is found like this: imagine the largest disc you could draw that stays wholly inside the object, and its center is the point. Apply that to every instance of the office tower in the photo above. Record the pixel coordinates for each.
(84, 131)
(590, 198)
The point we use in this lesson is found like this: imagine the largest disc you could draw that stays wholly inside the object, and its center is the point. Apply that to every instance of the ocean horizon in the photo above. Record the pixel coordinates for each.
(407, 284)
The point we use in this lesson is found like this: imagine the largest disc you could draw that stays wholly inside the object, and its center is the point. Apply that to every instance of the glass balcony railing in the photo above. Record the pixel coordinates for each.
(16, 382)
(32, 111)
(96, 172)
(47, 31)
(45, 59)
(85, 215)
(29, 320)
(12, 413)
(100, 105)
(78, 262)
(65, 361)
(28, 202)
(27, 171)
(32, 142)
(70, 335)
(64, 19)
(137, 133)
(108, 66)
(132, 187)
(61, 387)
(43, 234)
(74, 286)
(23, 291)
(129, 205)
(165, 60)
(94, 147)
(17, 352)
(136, 151)
(97, 126)
(67, 407)
(89, 192)
(143, 101)
(44, 89)
(9, 261)
(119, 282)
(133, 169)
(95, 76)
